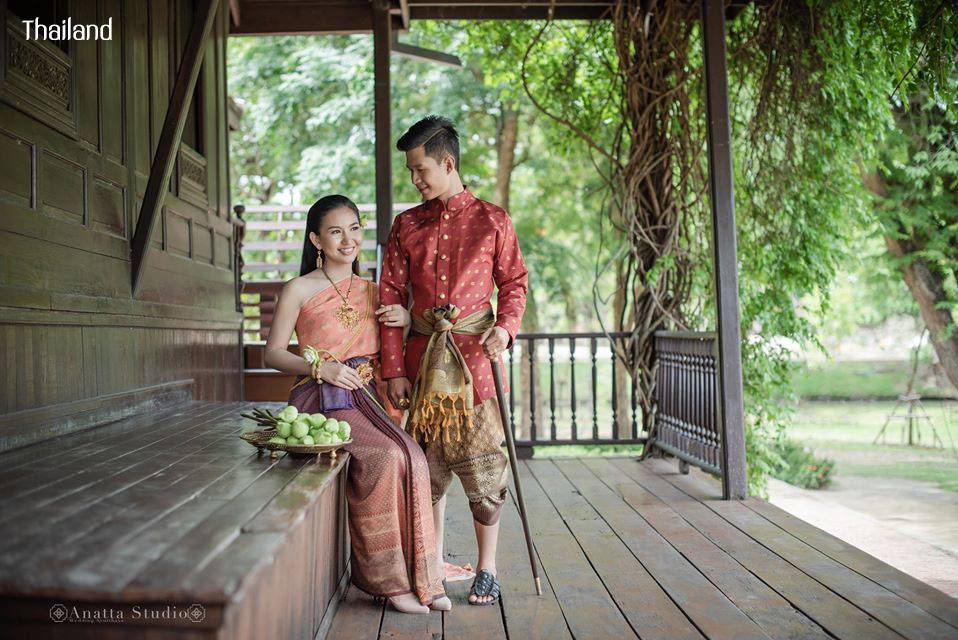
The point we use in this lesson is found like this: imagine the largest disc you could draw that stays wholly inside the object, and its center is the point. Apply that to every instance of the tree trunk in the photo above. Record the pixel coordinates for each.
(530, 324)
(506, 139)
(623, 373)
(926, 286)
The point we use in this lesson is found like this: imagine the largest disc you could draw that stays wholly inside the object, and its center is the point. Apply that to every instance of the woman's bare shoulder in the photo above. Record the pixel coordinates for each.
(302, 288)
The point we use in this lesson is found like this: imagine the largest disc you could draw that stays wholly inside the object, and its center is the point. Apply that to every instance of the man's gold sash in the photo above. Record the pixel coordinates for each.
(442, 395)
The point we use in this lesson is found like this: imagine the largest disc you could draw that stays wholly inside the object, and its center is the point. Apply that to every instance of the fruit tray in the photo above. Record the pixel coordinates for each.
(260, 440)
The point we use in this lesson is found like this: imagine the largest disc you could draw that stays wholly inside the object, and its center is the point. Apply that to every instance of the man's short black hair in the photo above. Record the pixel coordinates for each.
(436, 134)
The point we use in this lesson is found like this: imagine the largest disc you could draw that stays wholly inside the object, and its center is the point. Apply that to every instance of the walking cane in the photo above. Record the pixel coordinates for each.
(511, 443)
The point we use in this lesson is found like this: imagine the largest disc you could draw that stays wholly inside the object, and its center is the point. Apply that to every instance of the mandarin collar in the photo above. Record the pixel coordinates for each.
(455, 203)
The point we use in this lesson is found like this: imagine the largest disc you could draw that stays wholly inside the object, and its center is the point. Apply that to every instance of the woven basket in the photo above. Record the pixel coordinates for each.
(260, 440)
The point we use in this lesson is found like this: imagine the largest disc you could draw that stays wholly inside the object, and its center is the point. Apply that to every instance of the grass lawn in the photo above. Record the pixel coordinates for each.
(863, 380)
(843, 431)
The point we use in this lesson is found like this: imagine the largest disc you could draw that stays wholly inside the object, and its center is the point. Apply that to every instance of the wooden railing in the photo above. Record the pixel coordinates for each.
(279, 230)
(568, 389)
(686, 423)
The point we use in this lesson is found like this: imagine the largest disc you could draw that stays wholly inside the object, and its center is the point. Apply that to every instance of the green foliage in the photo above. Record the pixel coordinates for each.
(824, 99)
(798, 466)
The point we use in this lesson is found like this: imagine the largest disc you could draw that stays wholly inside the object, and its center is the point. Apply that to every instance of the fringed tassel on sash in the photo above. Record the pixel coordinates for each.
(442, 412)
(442, 396)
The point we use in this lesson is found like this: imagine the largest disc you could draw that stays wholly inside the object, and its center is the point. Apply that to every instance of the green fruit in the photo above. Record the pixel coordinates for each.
(277, 440)
(331, 425)
(308, 440)
(344, 430)
(283, 429)
(300, 429)
(316, 420)
(289, 413)
(292, 440)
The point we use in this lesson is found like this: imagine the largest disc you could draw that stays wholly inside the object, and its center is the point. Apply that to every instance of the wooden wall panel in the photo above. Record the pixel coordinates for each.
(111, 85)
(19, 162)
(62, 187)
(77, 130)
(108, 207)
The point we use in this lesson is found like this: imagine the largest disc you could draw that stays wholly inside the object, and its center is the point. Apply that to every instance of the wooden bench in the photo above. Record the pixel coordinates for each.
(169, 525)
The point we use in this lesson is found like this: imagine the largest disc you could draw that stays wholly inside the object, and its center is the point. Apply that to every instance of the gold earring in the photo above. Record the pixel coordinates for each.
(319, 259)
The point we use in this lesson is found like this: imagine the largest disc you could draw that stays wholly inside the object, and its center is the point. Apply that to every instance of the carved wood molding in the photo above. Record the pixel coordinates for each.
(39, 80)
(193, 183)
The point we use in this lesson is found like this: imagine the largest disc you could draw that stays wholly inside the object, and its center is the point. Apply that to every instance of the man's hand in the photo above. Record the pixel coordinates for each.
(494, 342)
(399, 390)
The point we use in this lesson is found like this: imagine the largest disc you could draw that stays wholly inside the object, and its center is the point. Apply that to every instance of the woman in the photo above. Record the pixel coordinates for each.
(388, 492)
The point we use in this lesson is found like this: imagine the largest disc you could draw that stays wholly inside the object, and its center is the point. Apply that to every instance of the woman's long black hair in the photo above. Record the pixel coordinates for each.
(314, 221)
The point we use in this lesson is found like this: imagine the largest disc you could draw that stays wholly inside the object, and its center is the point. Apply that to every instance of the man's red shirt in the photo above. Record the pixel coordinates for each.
(453, 253)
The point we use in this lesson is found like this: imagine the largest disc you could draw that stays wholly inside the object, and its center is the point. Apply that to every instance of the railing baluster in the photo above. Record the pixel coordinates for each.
(552, 388)
(512, 390)
(635, 426)
(595, 395)
(575, 427)
(615, 392)
(532, 389)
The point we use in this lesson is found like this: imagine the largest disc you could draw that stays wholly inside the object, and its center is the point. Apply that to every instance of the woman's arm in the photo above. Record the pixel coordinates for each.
(284, 321)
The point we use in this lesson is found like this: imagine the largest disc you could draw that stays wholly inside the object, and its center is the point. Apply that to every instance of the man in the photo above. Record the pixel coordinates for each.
(453, 249)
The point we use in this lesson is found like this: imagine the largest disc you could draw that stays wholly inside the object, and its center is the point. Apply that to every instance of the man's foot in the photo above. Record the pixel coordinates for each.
(441, 604)
(485, 588)
(408, 603)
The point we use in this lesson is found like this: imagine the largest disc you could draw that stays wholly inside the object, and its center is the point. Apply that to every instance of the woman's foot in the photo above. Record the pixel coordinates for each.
(441, 604)
(408, 603)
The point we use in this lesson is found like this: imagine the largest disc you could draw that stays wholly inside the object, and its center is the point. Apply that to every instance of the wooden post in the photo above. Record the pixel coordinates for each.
(382, 39)
(729, 370)
(170, 136)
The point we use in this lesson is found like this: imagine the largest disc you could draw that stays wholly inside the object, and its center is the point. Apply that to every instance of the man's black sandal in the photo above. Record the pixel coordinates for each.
(485, 584)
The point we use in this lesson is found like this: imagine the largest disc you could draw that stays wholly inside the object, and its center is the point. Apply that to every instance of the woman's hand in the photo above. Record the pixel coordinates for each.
(337, 374)
(394, 315)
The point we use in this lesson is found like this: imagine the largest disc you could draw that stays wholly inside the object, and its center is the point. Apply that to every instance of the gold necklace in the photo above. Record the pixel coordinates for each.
(346, 314)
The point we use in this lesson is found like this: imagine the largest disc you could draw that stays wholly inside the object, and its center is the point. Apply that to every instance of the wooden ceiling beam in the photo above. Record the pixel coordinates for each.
(507, 12)
(299, 17)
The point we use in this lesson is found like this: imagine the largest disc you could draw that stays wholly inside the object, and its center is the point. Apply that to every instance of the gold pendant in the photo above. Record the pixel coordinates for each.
(347, 316)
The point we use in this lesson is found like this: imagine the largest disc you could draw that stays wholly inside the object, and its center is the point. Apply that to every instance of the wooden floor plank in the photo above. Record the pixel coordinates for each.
(114, 565)
(835, 614)
(896, 612)
(235, 564)
(901, 615)
(589, 608)
(939, 604)
(358, 617)
(700, 601)
(288, 509)
(410, 626)
(527, 615)
(758, 601)
(85, 442)
(107, 449)
(465, 620)
(72, 505)
(203, 542)
(50, 560)
(60, 486)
